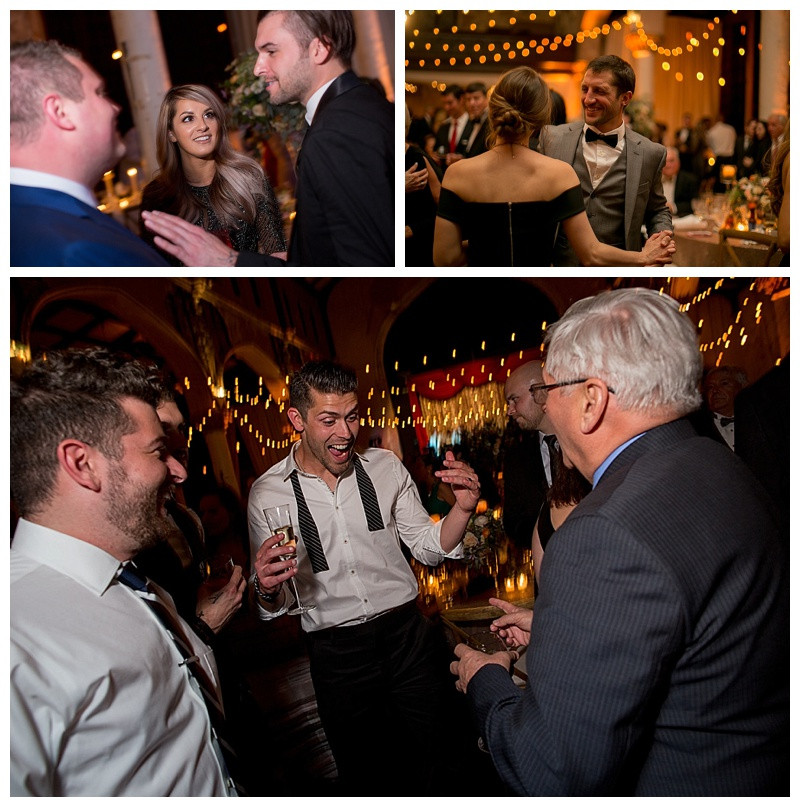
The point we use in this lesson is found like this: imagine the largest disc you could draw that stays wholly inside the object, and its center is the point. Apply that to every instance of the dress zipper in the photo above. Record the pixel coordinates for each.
(510, 233)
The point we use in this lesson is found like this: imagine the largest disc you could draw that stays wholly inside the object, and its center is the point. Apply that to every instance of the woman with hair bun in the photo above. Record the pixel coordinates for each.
(203, 179)
(509, 202)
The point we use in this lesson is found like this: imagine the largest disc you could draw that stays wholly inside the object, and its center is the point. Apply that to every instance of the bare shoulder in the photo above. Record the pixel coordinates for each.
(560, 175)
(462, 175)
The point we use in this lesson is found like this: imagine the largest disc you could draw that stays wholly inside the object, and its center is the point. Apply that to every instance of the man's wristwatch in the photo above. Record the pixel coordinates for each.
(262, 594)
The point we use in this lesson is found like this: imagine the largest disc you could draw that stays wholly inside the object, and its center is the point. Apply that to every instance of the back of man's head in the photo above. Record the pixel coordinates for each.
(325, 377)
(38, 68)
(636, 340)
(335, 29)
(74, 394)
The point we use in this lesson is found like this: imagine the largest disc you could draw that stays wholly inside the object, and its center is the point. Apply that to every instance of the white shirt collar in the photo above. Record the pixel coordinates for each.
(39, 179)
(313, 102)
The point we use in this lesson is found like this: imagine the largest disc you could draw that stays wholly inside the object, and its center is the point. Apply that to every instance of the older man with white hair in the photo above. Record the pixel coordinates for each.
(658, 661)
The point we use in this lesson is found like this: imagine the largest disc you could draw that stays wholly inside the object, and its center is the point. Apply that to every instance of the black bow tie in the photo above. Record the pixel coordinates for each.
(725, 421)
(611, 139)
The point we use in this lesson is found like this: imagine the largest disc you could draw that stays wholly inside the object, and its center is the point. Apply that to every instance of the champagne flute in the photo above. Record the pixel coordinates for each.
(279, 521)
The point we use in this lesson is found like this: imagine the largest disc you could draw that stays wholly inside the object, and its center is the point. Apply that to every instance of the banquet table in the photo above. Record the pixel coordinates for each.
(705, 248)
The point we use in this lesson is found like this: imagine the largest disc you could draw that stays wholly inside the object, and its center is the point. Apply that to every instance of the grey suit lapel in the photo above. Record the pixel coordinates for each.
(633, 173)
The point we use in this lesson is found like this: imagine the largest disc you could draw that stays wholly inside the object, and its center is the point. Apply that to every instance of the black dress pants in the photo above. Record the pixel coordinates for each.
(384, 694)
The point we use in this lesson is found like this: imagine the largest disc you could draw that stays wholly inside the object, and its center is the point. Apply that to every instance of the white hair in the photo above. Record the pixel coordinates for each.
(636, 340)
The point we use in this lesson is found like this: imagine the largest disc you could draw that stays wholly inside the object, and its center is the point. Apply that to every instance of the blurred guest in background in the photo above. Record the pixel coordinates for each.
(680, 186)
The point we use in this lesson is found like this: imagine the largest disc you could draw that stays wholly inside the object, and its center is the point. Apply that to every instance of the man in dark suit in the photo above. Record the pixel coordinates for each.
(63, 138)
(762, 435)
(680, 186)
(345, 173)
(478, 110)
(658, 661)
(526, 462)
(715, 418)
(619, 169)
(453, 133)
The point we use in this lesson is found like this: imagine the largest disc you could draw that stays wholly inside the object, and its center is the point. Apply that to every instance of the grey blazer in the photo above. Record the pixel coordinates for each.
(645, 203)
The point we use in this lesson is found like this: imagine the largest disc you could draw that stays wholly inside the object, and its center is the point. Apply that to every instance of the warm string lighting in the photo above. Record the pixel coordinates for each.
(444, 54)
(473, 407)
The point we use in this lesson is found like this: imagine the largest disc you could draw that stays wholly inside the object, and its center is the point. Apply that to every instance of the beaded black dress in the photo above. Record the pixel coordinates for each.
(510, 233)
(264, 235)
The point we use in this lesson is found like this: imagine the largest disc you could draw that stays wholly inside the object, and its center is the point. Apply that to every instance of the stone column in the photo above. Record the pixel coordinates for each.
(374, 53)
(146, 74)
(773, 74)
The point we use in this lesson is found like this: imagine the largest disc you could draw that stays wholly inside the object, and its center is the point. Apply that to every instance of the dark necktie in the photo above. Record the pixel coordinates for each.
(611, 139)
(309, 534)
(725, 421)
(553, 449)
(369, 499)
(130, 576)
(453, 127)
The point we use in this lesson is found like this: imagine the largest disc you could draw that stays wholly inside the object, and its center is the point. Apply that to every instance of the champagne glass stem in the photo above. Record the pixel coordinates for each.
(296, 595)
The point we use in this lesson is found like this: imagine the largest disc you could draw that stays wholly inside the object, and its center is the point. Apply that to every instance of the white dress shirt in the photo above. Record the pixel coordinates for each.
(727, 431)
(313, 102)
(101, 704)
(367, 573)
(599, 155)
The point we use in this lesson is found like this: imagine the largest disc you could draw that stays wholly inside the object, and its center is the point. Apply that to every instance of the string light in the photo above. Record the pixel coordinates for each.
(638, 41)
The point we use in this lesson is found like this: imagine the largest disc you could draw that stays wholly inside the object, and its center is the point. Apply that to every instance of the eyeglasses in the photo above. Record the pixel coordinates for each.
(539, 391)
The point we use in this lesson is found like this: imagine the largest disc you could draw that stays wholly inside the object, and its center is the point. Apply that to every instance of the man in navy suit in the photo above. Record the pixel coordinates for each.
(658, 660)
(63, 138)
(345, 172)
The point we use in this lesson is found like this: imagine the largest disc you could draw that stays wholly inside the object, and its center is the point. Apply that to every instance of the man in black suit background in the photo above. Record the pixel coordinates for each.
(715, 418)
(526, 462)
(477, 104)
(453, 133)
(659, 656)
(345, 172)
(680, 186)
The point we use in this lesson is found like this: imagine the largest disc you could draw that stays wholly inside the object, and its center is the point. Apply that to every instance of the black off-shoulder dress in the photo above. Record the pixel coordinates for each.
(510, 233)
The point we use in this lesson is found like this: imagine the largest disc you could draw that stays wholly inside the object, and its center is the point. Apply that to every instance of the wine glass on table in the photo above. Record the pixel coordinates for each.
(279, 521)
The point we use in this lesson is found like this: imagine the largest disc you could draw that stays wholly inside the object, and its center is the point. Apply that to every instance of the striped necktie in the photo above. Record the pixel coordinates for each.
(308, 528)
(369, 499)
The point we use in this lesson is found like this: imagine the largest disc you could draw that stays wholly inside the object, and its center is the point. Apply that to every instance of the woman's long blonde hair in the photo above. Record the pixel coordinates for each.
(238, 179)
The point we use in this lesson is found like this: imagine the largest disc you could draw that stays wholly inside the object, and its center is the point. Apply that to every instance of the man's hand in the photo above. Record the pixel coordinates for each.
(514, 627)
(191, 245)
(470, 661)
(463, 480)
(216, 609)
(270, 569)
(416, 180)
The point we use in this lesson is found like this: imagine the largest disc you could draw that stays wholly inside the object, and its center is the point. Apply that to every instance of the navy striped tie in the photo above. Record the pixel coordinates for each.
(369, 499)
(308, 528)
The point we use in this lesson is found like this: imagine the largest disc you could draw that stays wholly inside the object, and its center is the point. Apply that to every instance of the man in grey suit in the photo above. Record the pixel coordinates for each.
(619, 170)
(658, 659)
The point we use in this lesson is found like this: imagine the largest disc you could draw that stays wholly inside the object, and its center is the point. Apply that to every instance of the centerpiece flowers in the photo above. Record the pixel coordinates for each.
(251, 110)
(484, 539)
(751, 192)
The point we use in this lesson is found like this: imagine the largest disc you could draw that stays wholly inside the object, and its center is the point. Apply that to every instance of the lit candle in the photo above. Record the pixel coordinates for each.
(482, 506)
(134, 175)
(108, 179)
(522, 581)
(728, 172)
(509, 584)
